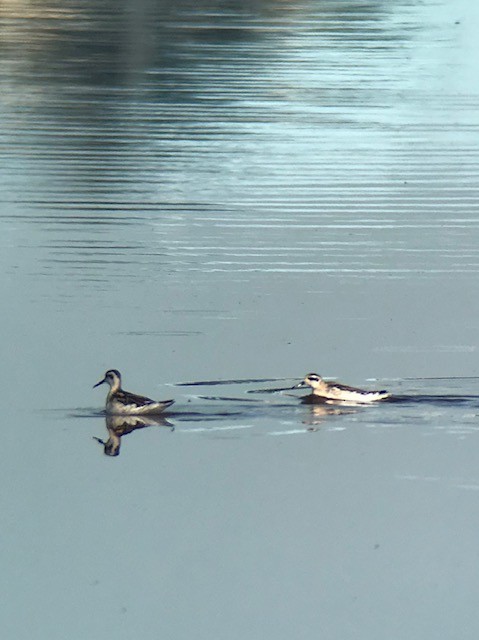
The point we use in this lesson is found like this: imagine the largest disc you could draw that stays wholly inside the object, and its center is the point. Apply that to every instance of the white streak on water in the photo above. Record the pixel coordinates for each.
(211, 429)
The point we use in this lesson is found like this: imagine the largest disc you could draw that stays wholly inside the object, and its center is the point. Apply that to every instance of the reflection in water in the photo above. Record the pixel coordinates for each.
(270, 138)
(320, 412)
(119, 426)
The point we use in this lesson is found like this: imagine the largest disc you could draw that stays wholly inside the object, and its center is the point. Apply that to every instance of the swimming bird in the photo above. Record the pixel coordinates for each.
(120, 402)
(332, 392)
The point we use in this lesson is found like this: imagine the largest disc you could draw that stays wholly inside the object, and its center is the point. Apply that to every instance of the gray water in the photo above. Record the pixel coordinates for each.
(231, 195)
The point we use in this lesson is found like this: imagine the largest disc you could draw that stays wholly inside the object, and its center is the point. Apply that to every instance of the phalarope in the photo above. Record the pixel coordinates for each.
(335, 392)
(120, 402)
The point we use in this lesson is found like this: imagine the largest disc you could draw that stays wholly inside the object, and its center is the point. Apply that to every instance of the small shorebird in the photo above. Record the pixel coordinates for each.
(120, 402)
(334, 392)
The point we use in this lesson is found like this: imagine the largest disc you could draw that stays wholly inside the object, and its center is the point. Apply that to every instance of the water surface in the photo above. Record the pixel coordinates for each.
(233, 193)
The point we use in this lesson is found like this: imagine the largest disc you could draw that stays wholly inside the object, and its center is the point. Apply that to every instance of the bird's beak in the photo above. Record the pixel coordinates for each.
(301, 384)
(99, 383)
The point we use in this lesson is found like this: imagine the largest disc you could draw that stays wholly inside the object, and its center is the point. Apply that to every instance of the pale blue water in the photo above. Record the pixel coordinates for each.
(212, 192)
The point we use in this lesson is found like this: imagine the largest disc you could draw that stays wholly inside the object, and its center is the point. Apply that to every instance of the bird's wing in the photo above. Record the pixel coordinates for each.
(126, 397)
(345, 387)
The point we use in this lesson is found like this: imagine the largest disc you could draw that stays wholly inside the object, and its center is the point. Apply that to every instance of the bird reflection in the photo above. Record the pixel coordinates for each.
(119, 426)
(320, 412)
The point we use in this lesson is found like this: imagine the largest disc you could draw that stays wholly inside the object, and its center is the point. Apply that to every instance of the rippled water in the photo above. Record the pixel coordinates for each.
(236, 194)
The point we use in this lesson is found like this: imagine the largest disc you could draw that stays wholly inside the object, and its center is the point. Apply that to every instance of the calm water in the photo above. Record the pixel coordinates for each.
(239, 193)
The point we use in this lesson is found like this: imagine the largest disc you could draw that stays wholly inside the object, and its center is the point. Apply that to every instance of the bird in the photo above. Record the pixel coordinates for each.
(119, 402)
(332, 392)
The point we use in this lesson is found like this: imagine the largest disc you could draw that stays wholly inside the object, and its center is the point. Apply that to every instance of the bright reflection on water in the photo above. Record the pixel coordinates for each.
(231, 192)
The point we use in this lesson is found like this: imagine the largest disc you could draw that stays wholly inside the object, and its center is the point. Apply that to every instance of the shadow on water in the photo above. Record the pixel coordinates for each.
(213, 383)
(446, 399)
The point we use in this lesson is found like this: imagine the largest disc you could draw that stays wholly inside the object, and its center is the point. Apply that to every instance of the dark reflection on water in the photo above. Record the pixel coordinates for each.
(120, 426)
